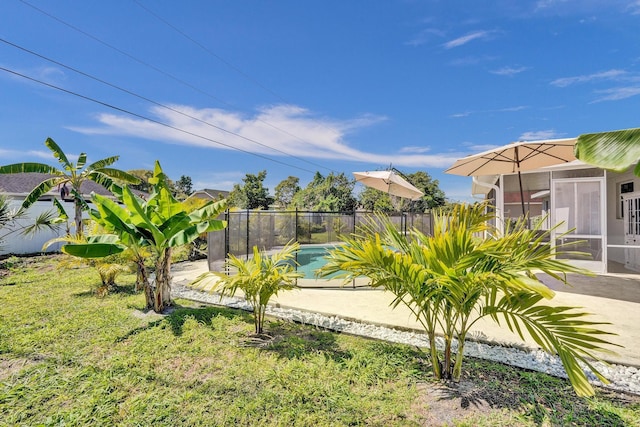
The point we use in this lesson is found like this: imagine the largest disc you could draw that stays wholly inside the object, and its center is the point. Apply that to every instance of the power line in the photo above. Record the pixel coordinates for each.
(122, 52)
(228, 64)
(146, 64)
(140, 116)
(209, 51)
(154, 102)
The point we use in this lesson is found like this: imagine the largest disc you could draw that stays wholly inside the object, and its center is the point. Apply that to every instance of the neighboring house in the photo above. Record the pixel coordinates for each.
(16, 187)
(209, 194)
(602, 208)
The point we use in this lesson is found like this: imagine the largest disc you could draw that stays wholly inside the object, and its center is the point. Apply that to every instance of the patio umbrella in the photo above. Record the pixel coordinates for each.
(516, 157)
(389, 182)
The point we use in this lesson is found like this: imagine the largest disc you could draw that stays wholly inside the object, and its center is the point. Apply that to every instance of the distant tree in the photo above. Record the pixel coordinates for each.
(374, 200)
(143, 175)
(285, 191)
(330, 193)
(253, 194)
(177, 189)
(184, 185)
(237, 197)
(433, 196)
(71, 173)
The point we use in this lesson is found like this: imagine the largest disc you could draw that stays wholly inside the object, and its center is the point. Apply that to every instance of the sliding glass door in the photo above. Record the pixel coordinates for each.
(578, 207)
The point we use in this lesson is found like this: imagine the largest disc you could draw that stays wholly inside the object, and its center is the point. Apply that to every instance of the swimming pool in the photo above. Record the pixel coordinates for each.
(311, 258)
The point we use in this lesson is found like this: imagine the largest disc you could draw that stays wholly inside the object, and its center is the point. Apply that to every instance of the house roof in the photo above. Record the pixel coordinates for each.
(209, 194)
(21, 184)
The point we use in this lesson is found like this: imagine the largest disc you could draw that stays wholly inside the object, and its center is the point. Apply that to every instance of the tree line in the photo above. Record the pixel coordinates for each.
(333, 193)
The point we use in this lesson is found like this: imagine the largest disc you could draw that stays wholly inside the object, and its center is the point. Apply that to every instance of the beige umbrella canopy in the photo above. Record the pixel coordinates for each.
(389, 182)
(516, 157)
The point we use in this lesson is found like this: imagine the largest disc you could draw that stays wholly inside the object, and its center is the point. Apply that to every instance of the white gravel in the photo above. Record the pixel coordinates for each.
(621, 377)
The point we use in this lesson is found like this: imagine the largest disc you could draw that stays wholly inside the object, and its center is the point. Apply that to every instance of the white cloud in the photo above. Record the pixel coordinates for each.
(424, 36)
(588, 20)
(509, 71)
(418, 150)
(38, 154)
(539, 135)
(7, 154)
(219, 180)
(49, 156)
(604, 75)
(280, 130)
(499, 110)
(472, 60)
(51, 75)
(616, 94)
(634, 7)
(509, 109)
(466, 39)
(479, 148)
(458, 193)
(546, 4)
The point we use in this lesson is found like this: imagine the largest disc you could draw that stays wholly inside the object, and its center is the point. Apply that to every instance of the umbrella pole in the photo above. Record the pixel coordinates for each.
(521, 192)
(520, 182)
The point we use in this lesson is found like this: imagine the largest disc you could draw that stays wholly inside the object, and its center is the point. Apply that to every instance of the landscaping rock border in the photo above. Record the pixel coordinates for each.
(622, 378)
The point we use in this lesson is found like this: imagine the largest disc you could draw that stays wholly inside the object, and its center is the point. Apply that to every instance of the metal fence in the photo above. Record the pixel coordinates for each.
(271, 229)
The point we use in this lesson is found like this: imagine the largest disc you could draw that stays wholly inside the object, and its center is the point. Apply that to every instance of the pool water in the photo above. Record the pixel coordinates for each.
(311, 259)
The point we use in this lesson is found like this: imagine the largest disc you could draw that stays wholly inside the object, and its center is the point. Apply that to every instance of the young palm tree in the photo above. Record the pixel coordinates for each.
(455, 277)
(72, 174)
(259, 278)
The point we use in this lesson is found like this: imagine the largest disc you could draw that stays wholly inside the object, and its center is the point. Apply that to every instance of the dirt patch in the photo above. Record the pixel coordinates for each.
(150, 315)
(8, 368)
(442, 404)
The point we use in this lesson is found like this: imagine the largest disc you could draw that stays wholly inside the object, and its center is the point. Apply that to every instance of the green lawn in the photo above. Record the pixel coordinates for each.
(70, 358)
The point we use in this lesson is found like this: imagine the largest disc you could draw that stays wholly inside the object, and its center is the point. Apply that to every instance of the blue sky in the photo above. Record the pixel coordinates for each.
(218, 89)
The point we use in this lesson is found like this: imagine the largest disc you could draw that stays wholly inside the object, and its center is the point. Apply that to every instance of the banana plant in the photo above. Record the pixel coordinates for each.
(71, 173)
(465, 272)
(157, 224)
(616, 150)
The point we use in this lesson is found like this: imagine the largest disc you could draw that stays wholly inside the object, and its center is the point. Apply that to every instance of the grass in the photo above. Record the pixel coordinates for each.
(68, 357)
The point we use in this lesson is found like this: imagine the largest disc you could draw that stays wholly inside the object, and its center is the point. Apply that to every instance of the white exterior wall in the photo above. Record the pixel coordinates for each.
(17, 243)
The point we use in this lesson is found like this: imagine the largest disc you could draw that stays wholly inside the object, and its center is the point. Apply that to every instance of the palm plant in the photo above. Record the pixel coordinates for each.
(9, 217)
(465, 272)
(73, 174)
(259, 278)
(157, 224)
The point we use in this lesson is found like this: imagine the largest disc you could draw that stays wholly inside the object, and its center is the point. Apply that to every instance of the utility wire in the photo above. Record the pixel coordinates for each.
(154, 102)
(228, 64)
(209, 51)
(146, 64)
(122, 110)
